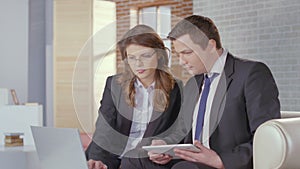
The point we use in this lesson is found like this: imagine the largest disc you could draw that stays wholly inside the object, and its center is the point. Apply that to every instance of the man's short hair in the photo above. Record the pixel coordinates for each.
(200, 28)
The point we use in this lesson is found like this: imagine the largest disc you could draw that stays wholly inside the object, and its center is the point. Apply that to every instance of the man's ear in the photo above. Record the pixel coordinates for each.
(211, 46)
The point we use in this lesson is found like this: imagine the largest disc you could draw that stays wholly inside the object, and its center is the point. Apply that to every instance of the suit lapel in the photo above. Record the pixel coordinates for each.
(158, 119)
(191, 95)
(154, 123)
(219, 100)
(123, 108)
(126, 114)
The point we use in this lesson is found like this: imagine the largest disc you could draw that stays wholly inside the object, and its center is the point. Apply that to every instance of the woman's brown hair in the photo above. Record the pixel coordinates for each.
(164, 82)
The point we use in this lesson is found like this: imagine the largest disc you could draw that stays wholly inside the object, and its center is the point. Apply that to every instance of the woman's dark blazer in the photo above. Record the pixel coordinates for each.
(115, 119)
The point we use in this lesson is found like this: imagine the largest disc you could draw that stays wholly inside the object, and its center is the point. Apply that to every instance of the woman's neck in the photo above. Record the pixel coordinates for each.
(146, 82)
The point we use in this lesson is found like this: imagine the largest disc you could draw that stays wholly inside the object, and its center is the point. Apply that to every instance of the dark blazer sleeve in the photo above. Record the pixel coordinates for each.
(181, 128)
(259, 97)
(102, 142)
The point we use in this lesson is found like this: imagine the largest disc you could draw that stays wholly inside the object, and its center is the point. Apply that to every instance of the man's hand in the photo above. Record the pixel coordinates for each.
(92, 164)
(205, 156)
(159, 158)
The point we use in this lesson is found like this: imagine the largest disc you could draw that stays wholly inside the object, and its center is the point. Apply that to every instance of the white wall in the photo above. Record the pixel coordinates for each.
(23, 37)
(14, 47)
(266, 30)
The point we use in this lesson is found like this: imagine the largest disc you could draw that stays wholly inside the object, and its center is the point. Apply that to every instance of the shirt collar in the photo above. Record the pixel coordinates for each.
(138, 84)
(219, 64)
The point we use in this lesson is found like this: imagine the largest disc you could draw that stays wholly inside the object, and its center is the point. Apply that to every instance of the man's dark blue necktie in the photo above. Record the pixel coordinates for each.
(202, 107)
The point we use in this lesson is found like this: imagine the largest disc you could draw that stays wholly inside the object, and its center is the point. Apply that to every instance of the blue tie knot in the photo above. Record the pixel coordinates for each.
(211, 77)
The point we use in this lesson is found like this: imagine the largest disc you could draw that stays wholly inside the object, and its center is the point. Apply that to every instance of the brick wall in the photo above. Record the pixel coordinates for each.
(179, 10)
(265, 30)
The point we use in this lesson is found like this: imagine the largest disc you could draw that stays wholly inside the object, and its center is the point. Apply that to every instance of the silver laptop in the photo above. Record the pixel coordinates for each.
(59, 148)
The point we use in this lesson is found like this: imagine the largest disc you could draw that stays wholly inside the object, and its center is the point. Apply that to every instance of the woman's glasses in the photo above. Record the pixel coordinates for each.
(146, 57)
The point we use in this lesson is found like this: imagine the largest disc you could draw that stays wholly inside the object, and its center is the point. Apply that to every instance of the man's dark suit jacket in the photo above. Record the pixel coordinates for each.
(246, 97)
(115, 119)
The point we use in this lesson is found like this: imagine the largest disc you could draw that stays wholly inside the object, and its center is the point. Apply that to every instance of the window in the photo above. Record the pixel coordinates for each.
(159, 18)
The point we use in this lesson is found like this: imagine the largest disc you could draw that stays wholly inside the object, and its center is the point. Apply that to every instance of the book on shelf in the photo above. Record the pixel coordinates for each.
(13, 139)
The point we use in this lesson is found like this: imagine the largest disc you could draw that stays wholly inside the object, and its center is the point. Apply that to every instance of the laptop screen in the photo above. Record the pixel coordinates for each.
(59, 148)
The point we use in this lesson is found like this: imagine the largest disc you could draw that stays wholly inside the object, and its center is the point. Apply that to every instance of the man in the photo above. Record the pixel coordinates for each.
(235, 96)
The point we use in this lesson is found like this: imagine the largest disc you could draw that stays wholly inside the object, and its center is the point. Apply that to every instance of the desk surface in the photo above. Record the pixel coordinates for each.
(21, 157)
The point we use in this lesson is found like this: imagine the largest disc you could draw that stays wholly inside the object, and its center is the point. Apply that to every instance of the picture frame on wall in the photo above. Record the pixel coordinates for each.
(14, 96)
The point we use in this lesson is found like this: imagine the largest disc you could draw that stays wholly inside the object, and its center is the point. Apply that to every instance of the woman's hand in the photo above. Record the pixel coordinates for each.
(92, 164)
(159, 158)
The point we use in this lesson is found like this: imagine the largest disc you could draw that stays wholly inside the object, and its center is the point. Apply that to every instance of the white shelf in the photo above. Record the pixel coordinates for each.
(19, 118)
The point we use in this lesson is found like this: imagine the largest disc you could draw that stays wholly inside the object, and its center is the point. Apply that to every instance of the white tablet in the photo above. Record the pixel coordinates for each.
(168, 149)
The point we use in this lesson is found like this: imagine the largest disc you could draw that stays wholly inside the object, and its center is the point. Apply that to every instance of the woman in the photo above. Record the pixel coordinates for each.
(138, 104)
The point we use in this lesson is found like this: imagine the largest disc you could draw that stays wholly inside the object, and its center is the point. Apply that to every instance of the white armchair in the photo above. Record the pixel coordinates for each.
(276, 143)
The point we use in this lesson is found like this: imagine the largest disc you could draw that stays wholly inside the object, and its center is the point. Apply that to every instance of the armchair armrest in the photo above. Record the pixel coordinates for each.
(276, 144)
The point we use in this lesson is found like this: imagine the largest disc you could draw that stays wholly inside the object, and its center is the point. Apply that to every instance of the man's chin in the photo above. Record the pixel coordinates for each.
(190, 71)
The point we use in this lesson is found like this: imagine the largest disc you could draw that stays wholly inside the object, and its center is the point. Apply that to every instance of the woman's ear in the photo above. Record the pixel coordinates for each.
(161, 61)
